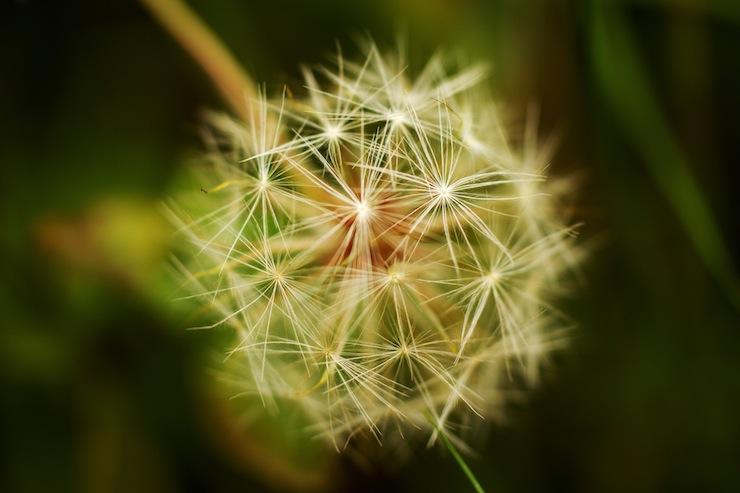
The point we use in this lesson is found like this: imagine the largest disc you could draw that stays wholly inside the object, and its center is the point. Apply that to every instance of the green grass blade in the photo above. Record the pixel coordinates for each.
(624, 81)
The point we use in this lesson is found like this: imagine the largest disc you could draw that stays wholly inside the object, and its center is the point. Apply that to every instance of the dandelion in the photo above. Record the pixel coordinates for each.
(384, 257)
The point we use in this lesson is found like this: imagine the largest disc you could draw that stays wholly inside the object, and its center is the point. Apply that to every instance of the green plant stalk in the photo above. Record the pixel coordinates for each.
(195, 37)
(237, 88)
(461, 462)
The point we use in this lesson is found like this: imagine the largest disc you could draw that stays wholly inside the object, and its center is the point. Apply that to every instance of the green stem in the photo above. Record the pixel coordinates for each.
(235, 85)
(213, 57)
(460, 461)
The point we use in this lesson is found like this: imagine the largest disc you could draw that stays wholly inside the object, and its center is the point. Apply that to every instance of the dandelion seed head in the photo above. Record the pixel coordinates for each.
(386, 258)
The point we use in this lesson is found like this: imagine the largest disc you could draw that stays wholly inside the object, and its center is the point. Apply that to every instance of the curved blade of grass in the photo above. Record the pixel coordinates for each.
(207, 50)
(623, 78)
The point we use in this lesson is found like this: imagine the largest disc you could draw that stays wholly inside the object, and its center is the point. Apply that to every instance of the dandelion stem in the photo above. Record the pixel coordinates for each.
(195, 37)
(461, 462)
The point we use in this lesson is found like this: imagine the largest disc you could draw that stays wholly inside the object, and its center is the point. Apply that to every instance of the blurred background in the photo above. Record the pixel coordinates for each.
(101, 389)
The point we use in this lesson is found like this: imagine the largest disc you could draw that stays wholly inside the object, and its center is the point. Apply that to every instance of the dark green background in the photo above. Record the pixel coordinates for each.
(98, 382)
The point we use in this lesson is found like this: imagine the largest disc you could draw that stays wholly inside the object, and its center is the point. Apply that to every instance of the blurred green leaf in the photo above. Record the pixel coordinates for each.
(625, 83)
